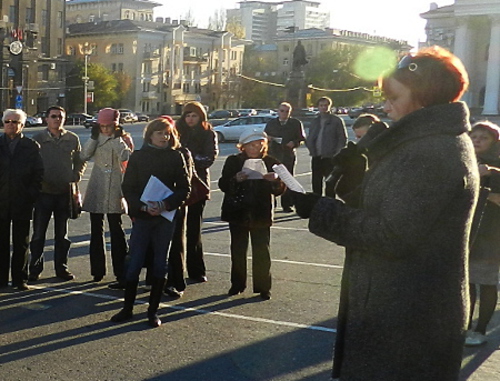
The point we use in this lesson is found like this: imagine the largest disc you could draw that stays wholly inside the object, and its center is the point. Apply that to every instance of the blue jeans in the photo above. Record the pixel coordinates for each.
(45, 206)
(156, 232)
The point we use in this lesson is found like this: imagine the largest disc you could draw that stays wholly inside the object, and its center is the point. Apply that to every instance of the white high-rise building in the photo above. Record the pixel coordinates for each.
(262, 19)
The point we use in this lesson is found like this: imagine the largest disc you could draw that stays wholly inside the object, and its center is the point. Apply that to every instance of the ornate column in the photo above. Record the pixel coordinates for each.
(461, 47)
(493, 70)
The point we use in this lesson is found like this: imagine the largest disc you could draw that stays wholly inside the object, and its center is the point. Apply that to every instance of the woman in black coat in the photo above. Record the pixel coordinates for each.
(248, 207)
(484, 261)
(405, 304)
(21, 172)
(197, 135)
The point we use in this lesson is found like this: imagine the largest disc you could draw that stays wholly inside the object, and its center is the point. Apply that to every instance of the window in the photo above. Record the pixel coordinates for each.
(285, 61)
(286, 48)
(29, 15)
(12, 13)
(45, 18)
(60, 19)
(120, 66)
(148, 67)
(71, 51)
(113, 67)
(59, 47)
(146, 86)
(117, 49)
(92, 18)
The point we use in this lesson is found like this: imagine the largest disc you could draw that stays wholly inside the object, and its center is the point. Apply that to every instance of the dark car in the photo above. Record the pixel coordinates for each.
(141, 117)
(77, 119)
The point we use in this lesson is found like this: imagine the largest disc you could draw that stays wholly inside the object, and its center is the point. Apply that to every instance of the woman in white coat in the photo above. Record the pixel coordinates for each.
(110, 152)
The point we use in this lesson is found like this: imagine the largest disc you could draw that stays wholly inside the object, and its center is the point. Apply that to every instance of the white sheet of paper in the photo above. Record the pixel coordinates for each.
(287, 178)
(155, 190)
(254, 168)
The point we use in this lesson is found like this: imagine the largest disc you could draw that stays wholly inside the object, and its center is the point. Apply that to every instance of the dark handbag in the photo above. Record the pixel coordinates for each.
(75, 201)
(199, 190)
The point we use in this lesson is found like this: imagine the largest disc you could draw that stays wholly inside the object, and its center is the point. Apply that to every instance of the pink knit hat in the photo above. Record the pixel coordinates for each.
(108, 116)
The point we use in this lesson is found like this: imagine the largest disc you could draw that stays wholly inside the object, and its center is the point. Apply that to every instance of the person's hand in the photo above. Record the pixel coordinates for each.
(155, 208)
(484, 170)
(271, 176)
(95, 131)
(304, 203)
(118, 131)
(241, 176)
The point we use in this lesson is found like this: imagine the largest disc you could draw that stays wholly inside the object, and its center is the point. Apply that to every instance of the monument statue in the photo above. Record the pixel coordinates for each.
(296, 87)
(299, 57)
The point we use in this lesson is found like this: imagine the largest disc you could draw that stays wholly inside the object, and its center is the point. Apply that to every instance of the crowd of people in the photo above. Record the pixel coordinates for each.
(408, 202)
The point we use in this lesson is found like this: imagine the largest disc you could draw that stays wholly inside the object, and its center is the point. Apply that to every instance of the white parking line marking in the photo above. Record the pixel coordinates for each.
(199, 311)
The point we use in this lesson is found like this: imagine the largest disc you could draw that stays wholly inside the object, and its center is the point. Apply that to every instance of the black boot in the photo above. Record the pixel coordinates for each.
(130, 294)
(154, 301)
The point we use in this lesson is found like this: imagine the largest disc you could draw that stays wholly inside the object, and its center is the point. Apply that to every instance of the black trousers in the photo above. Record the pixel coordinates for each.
(194, 246)
(261, 257)
(176, 255)
(119, 248)
(20, 252)
(321, 168)
(286, 198)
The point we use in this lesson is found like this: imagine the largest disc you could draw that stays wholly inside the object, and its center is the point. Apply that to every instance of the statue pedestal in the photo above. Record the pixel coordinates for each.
(296, 89)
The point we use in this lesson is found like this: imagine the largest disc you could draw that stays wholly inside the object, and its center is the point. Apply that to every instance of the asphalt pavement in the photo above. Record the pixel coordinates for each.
(61, 330)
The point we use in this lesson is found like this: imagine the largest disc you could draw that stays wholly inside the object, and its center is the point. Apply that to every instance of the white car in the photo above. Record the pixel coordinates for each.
(232, 130)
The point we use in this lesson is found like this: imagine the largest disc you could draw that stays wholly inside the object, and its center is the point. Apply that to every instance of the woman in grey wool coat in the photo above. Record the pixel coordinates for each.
(104, 194)
(404, 297)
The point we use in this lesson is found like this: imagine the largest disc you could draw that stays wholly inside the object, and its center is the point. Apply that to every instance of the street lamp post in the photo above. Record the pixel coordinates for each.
(87, 50)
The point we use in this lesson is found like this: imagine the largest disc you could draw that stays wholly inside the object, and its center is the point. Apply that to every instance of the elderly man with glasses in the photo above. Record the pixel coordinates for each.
(21, 172)
(285, 135)
(60, 151)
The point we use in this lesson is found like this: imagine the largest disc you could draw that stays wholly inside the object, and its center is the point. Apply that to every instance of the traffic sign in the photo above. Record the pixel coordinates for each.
(19, 98)
(19, 89)
(19, 105)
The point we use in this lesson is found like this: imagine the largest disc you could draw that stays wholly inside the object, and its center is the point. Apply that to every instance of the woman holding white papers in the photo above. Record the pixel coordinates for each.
(160, 159)
(249, 184)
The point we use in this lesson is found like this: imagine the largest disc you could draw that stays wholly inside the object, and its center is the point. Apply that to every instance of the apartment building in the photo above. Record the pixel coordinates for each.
(32, 64)
(168, 63)
(81, 11)
(263, 20)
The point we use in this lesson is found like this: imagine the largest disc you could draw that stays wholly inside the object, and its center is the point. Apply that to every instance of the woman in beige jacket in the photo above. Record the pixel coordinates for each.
(104, 195)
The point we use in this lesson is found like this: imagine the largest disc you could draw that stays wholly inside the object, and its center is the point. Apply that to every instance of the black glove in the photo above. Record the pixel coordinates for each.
(304, 203)
(94, 132)
(118, 131)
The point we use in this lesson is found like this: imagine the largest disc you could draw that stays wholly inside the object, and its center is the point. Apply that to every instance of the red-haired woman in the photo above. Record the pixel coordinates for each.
(404, 301)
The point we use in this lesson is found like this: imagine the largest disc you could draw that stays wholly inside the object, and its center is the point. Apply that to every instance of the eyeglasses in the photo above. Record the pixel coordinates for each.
(407, 62)
(54, 116)
(283, 110)
(12, 121)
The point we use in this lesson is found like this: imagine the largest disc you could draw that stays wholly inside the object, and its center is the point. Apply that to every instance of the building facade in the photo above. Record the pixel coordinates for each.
(32, 63)
(82, 11)
(316, 41)
(471, 29)
(168, 64)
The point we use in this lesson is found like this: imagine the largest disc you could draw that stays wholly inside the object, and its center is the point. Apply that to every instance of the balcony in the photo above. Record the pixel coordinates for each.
(149, 95)
(150, 55)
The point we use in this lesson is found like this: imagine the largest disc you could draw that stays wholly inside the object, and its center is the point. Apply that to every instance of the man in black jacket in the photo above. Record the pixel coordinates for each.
(285, 135)
(21, 172)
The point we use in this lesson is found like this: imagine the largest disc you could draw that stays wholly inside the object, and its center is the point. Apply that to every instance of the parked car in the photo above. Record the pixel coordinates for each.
(42, 116)
(33, 121)
(247, 111)
(77, 119)
(141, 117)
(89, 123)
(232, 130)
(266, 111)
(223, 114)
(127, 116)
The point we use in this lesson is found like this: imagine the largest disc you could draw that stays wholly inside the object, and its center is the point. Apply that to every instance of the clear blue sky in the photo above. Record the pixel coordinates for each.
(390, 18)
